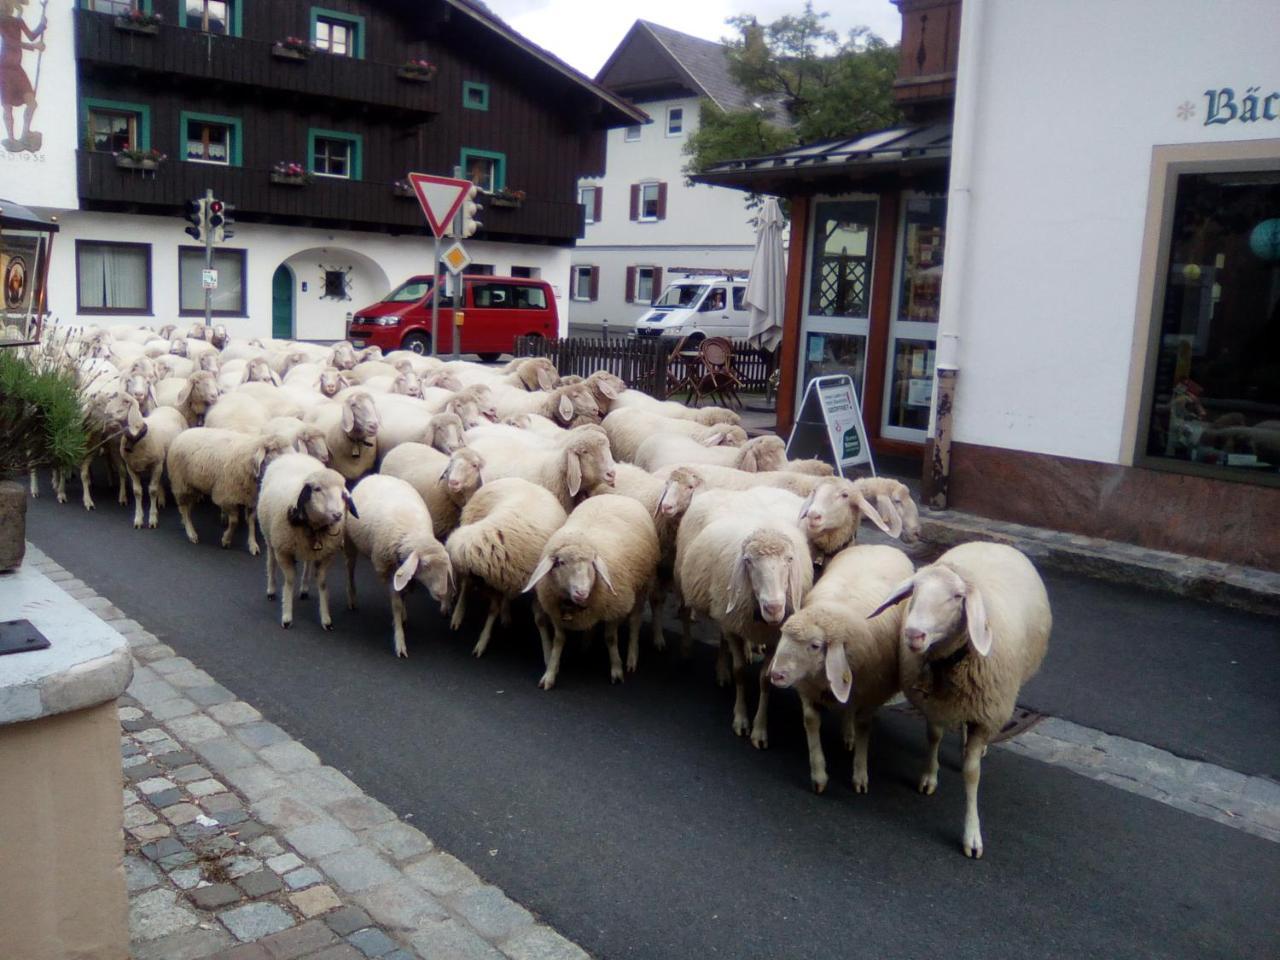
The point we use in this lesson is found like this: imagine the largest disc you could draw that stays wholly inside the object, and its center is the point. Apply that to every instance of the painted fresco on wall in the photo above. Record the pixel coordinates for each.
(21, 52)
(19, 273)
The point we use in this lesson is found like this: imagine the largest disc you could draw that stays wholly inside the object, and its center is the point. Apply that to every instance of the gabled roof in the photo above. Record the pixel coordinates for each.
(652, 57)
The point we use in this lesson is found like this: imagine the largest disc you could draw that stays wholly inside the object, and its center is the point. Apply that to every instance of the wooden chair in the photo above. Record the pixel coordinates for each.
(680, 368)
(716, 377)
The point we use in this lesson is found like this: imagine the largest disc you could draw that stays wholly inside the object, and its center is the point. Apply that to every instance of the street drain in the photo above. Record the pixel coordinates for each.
(1023, 719)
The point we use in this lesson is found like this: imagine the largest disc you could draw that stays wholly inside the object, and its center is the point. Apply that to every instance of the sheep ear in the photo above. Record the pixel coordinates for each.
(900, 592)
(546, 380)
(445, 475)
(795, 583)
(662, 495)
(275, 378)
(889, 512)
(151, 395)
(739, 583)
(259, 462)
(609, 390)
(873, 515)
(184, 393)
(602, 569)
(565, 408)
(838, 673)
(134, 418)
(298, 512)
(348, 418)
(573, 473)
(975, 612)
(808, 502)
(712, 440)
(540, 571)
(747, 461)
(404, 573)
(351, 504)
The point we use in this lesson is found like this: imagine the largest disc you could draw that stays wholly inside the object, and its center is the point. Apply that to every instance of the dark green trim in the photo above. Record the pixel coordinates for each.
(357, 151)
(474, 86)
(144, 5)
(234, 29)
(350, 18)
(500, 173)
(119, 106)
(236, 157)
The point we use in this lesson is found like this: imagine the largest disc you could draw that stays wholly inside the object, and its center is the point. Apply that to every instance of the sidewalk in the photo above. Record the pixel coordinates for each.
(241, 845)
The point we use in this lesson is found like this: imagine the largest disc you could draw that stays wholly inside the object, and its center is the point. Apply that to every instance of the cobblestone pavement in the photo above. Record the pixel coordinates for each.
(241, 845)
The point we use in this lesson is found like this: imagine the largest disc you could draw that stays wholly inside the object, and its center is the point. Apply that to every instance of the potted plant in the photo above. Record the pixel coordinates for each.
(403, 188)
(42, 424)
(139, 21)
(132, 159)
(506, 197)
(419, 71)
(291, 174)
(292, 48)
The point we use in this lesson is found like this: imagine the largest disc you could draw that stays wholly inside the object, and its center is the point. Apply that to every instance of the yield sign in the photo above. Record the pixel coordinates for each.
(440, 198)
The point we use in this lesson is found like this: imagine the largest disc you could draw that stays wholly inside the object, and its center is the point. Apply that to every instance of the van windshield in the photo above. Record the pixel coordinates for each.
(408, 291)
(682, 295)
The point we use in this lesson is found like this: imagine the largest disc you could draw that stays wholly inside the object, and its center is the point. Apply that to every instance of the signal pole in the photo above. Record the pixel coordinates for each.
(208, 262)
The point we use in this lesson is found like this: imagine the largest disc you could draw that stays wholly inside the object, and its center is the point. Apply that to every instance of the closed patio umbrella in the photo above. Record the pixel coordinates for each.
(767, 287)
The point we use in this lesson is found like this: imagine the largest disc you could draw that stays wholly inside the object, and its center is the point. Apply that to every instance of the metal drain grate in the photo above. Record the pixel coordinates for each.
(1023, 719)
(21, 636)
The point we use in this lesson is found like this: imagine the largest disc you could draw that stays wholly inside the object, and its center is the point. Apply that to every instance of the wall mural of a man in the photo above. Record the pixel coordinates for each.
(16, 89)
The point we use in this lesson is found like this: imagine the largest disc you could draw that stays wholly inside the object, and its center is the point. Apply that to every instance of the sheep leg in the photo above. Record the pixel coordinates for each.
(615, 659)
(122, 476)
(397, 619)
(351, 553)
(482, 644)
(233, 521)
(723, 673)
(60, 482)
(460, 608)
(686, 637)
(288, 568)
(657, 600)
(251, 521)
(541, 622)
(86, 497)
(157, 496)
(35, 484)
(322, 591)
(861, 743)
(304, 588)
(184, 508)
(553, 659)
(271, 573)
(929, 782)
(504, 612)
(812, 733)
(973, 750)
(633, 640)
(760, 729)
(136, 482)
(739, 657)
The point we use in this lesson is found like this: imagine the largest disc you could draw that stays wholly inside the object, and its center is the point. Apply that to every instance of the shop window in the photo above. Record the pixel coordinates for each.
(840, 272)
(1213, 383)
(113, 277)
(341, 34)
(335, 154)
(922, 235)
(210, 139)
(228, 295)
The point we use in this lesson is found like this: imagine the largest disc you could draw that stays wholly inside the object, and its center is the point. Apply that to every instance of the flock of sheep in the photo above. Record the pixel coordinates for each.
(483, 484)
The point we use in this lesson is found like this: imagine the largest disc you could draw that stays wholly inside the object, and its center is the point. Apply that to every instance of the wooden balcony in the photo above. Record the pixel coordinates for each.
(189, 55)
(357, 205)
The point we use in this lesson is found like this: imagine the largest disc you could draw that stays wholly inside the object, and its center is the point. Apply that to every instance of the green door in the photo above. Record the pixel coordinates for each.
(282, 303)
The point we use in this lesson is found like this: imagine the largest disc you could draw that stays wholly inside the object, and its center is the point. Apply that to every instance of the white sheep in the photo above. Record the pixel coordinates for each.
(596, 569)
(975, 629)
(407, 420)
(351, 433)
(669, 408)
(630, 427)
(302, 437)
(831, 514)
(498, 543)
(579, 463)
(144, 444)
(225, 466)
(444, 481)
(830, 649)
(193, 397)
(759, 453)
(302, 508)
(895, 505)
(390, 525)
(564, 405)
(730, 478)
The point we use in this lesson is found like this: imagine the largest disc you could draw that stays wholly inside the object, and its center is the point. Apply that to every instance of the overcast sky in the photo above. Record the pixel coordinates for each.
(584, 32)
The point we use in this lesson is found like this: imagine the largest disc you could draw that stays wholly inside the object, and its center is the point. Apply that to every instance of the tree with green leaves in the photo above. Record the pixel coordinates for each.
(809, 86)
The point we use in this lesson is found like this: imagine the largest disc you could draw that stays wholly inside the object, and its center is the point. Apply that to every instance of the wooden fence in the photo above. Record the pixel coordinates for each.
(641, 363)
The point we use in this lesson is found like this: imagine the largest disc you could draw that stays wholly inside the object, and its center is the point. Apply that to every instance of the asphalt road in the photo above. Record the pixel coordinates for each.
(633, 821)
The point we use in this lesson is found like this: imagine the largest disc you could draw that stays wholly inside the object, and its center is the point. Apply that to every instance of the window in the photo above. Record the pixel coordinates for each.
(531, 298)
(335, 285)
(210, 139)
(111, 126)
(341, 34)
(643, 284)
(586, 283)
(228, 296)
(335, 154)
(118, 7)
(648, 201)
(1212, 390)
(739, 298)
(113, 277)
(632, 133)
(493, 295)
(484, 168)
(840, 281)
(213, 16)
(589, 197)
(475, 96)
(531, 273)
(675, 121)
(480, 270)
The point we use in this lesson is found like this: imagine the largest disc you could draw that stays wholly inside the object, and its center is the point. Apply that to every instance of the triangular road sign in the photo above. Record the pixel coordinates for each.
(441, 197)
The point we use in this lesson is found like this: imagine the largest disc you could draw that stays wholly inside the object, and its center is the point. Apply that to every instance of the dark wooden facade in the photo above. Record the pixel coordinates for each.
(549, 126)
(930, 48)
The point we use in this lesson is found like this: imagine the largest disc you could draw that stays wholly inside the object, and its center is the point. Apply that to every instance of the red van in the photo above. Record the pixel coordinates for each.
(496, 311)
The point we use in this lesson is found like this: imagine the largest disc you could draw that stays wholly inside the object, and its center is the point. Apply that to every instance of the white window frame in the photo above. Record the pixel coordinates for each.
(587, 197)
(639, 298)
(678, 114)
(631, 134)
(640, 215)
(230, 144)
(350, 158)
(331, 24)
(580, 272)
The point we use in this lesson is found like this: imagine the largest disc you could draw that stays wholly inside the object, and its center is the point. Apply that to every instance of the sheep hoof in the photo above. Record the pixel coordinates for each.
(254, 550)
(819, 786)
(973, 847)
(137, 524)
(271, 594)
(153, 523)
(860, 785)
(632, 665)
(224, 543)
(760, 741)
(286, 624)
(477, 651)
(303, 593)
(928, 784)
(327, 626)
(740, 726)
(193, 538)
(62, 498)
(547, 682)
(615, 676)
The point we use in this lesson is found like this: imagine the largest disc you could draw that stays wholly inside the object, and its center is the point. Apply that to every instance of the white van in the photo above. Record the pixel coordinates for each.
(706, 306)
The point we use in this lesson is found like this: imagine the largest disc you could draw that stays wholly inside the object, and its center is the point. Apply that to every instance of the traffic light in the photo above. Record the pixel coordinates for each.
(216, 219)
(469, 224)
(226, 233)
(197, 216)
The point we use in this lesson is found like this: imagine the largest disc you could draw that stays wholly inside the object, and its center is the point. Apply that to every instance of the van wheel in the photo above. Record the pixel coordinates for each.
(419, 343)
(488, 357)
(691, 342)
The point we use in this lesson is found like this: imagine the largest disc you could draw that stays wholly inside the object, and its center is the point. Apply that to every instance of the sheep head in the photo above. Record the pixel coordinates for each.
(536, 373)
(322, 503)
(895, 506)
(588, 461)
(463, 474)
(209, 360)
(310, 440)
(372, 352)
(566, 404)
(333, 380)
(568, 380)
(605, 387)
(429, 565)
(768, 572)
(359, 421)
(677, 493)
(198, 331)
(830, 515)
(200, 393)
(444, 432)
(710, 416)
(292, 359)
(762, 454)
(269, 448)
(407, 385)
(167, 331)
(343, 356)
(467, 410)
(439, 378)
(142, 367)
(812, 645)
(163, 367)
(178, 346)
(726, 435)
(943, 606)
(573, 569)
(521, 421)
(218, 336)
(140, 389)
(257, 370)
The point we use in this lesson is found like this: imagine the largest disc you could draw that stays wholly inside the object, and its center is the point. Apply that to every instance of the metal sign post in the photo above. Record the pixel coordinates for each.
(435, 295)
(834, 400)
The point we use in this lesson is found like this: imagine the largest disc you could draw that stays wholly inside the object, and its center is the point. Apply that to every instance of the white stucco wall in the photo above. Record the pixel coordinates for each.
(704, 226)
(378, 263)
(1071, 97)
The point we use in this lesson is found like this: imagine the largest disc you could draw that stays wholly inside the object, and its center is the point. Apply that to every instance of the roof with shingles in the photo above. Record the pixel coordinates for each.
(706, 62)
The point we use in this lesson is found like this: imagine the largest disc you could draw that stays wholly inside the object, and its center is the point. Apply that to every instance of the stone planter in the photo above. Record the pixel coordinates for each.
(281, 52)
(13, 524)
(125, 25)
(289, 179)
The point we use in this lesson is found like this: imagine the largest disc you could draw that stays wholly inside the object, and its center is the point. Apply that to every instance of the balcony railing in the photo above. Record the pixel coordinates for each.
(180, 52)
(363, 204)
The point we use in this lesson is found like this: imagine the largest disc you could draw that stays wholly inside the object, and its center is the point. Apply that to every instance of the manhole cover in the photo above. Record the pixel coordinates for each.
(20, 636)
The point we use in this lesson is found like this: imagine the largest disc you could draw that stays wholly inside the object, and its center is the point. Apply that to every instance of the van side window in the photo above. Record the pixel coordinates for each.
(738, 294)
(493, 295)
(714, 301)
(531, 298)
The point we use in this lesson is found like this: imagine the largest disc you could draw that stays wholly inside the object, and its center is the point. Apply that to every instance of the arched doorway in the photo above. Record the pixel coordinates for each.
(329, 284)
(282, 303)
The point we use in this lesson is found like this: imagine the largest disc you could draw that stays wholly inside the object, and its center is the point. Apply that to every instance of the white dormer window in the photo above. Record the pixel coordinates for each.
(675, 121)
(632, 134)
